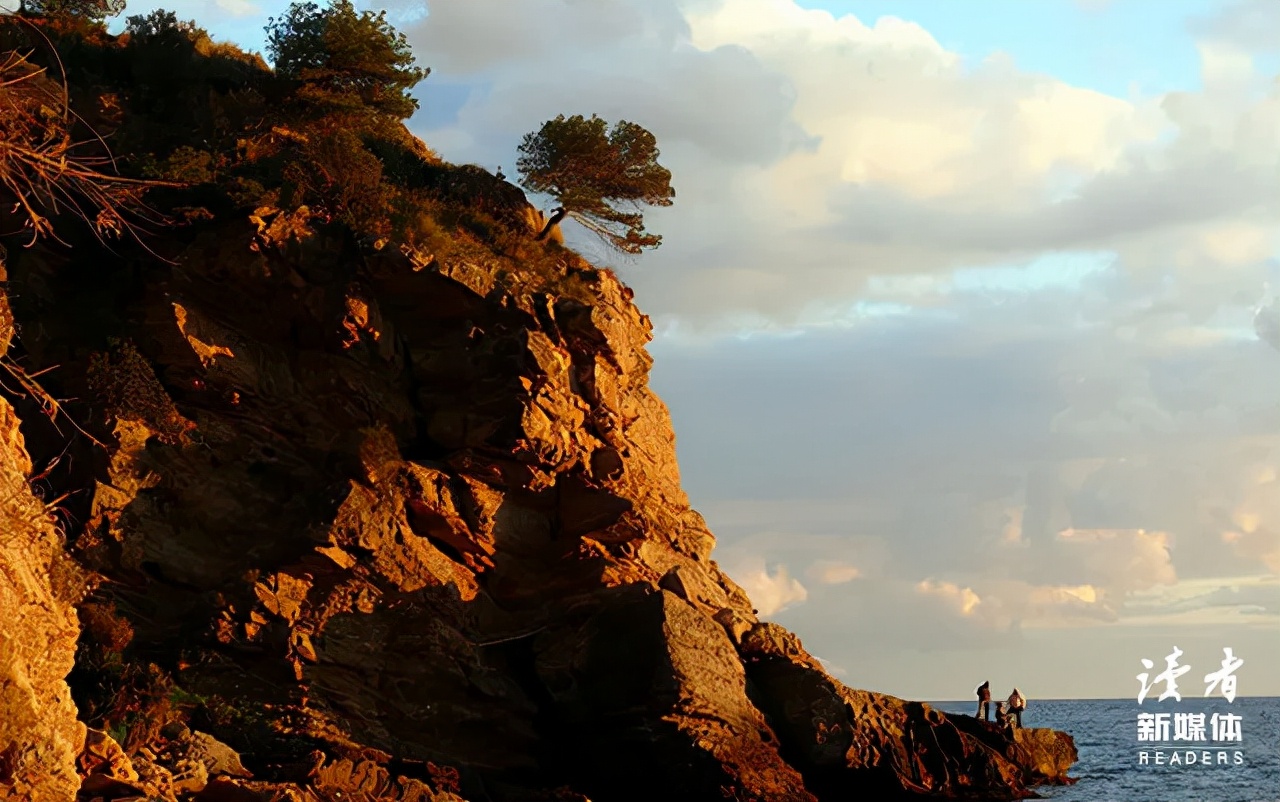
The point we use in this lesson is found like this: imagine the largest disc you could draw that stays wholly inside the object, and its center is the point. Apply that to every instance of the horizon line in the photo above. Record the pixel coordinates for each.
(1115, 698)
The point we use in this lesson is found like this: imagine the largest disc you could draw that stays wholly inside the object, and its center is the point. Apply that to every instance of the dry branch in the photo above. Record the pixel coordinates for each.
(41, 172)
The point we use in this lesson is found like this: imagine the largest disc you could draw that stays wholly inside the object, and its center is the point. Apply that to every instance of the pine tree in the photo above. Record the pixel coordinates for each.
(344, 59)
(600, 177)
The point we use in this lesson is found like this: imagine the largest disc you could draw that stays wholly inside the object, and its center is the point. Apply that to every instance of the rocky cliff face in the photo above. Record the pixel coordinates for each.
(39, 734)
(400, 525)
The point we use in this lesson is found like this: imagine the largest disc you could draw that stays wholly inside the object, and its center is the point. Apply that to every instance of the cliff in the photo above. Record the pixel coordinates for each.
(39, 734)
(392, 521)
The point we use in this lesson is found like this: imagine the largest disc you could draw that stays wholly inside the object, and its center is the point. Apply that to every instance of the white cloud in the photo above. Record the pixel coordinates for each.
(1012, 531)
(963, 600)
(1249, 25)
(237, 8)
(1121, 560)
(1255, 523)
(770, 591)
(834, 572)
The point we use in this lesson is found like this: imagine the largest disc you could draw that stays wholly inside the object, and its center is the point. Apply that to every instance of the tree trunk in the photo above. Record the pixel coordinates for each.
(556, 217)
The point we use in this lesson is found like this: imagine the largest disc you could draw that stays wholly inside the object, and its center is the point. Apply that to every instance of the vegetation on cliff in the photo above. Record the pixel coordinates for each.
(164, 104)
(592, 171)
(92, 120)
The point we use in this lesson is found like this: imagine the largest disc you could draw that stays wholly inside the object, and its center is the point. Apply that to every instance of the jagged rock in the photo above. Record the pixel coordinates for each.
(108, 773)
(102, 755)
(346, 779)
(218, 759)
(1044, 755)
(6, 314)
(653, 696)
(767, 640)
(736, 625)
(694, 584)
(39, 735)
(161, 783)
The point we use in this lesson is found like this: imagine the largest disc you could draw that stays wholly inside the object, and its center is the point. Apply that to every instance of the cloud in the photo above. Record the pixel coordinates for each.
(962, 600)
(1012, 531)
(238, 8)
(1254, 530)
(770, 591)
(833, 572)
(1121, 561)
(1266, 323)
(621, 59)
(1003, 471)
(832, 668)
(1256, 595)
(1078, 578)
(928, 165)
(1250, 25)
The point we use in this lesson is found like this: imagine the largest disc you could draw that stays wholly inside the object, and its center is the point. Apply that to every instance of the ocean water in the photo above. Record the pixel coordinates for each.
(1109, 769)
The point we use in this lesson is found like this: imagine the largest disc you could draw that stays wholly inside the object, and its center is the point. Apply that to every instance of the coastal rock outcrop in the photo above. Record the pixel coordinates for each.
(355, 518)
(849, 741)
(1044, 756)
(447, 536)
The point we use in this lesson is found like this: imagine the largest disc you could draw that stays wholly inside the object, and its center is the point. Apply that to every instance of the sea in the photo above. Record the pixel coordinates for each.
(1112, 768)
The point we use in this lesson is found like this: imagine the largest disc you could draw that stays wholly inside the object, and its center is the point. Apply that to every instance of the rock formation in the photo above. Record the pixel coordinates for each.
(39, 734)
(373, 520)
(418, 518)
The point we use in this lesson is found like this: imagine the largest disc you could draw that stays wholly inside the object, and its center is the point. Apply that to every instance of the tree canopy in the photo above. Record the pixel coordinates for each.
(158, 24)
(345, 59)
(600, 177)
(97, 10)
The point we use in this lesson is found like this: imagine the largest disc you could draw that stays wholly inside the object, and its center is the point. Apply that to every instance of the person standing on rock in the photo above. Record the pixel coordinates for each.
(984, 701)
(1017, 703)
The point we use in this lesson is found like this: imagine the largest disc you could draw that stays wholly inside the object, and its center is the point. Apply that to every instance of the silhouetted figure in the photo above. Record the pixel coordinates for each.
(1004, 719)
(501, 176)
(1017, 703)
(984, 701)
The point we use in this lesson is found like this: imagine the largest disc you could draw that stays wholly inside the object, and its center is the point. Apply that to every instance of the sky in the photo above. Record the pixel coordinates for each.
(965, 312)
